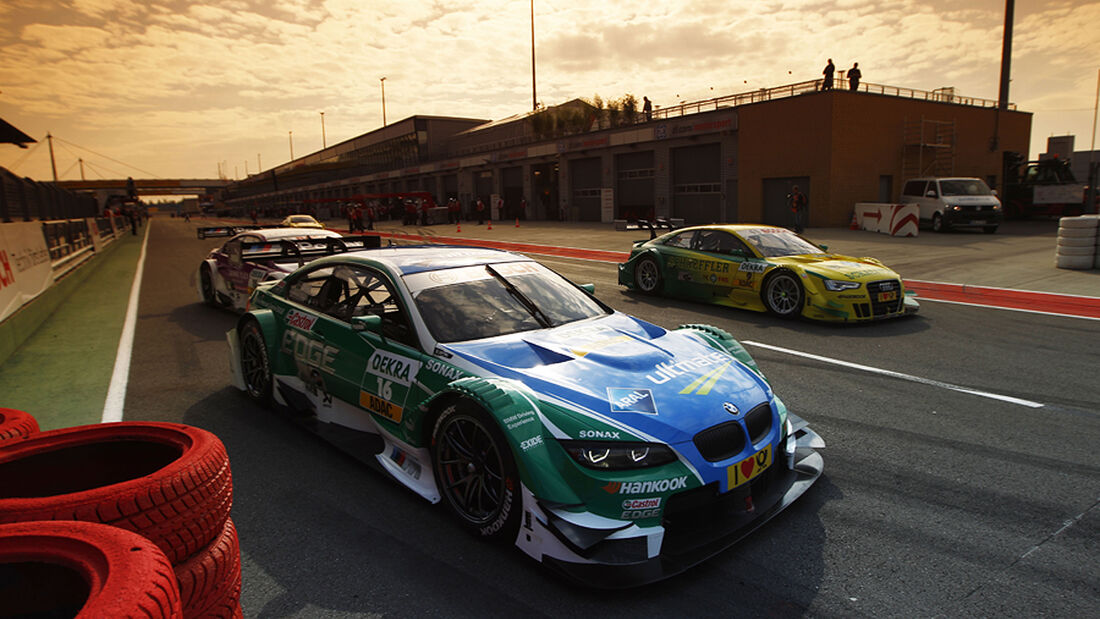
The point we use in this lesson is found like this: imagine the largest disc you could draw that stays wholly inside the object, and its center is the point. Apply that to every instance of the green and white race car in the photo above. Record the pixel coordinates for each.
(606, 447)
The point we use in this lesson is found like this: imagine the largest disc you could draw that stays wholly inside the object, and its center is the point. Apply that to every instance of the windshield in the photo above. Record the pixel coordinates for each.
(775, 242)
(964, 187)
(301, 219)
(472, 303)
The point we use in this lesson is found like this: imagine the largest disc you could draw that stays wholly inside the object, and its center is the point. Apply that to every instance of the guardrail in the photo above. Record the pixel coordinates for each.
(942, 95)
(23, 199)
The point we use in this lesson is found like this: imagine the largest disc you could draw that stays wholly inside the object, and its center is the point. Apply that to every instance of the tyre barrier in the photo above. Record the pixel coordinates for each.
(168, 482)
(16, 424)
(83, 569)
(210, 581)
(1078, 246)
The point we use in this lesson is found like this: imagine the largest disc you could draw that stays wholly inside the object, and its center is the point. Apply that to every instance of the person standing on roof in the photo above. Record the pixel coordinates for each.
(854, 75)
(827, 84)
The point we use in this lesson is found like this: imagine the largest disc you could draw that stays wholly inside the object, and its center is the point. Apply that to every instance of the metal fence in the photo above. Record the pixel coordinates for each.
(23, 199)
(941, 95)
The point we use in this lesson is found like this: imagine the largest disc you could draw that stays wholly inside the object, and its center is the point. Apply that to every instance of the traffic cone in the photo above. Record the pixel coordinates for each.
(459, 229)
(517, 222)
(855, 223)
(490, 225)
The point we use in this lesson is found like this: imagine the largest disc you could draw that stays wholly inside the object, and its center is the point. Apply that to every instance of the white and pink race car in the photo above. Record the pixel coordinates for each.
(231, 271)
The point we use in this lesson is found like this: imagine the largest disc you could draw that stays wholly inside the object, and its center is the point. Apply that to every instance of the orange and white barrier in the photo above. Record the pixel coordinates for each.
(892, 219)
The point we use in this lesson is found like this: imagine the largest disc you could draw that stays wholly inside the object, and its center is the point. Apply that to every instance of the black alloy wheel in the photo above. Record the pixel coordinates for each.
(475, 472)
(255, 365)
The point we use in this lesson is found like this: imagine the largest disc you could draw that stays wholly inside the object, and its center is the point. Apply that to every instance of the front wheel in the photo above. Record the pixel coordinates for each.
(255, 365)
(783, 295)
(476, 472)
(647, 276)
(938, 224)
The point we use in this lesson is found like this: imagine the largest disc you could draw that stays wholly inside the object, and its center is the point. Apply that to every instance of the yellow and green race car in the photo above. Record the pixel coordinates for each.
(765, 268)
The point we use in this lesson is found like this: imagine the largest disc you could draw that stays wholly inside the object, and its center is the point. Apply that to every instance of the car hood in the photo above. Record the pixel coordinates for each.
(833, 266)
(665, 385)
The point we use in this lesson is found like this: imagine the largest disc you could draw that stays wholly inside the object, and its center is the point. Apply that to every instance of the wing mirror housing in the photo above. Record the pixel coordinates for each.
(369, 324)
(589, 288)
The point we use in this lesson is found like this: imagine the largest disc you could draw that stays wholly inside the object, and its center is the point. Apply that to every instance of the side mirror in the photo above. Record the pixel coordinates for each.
(589, 288)
(370, 323)
(931, 194)
(994, 191)
(824, 247)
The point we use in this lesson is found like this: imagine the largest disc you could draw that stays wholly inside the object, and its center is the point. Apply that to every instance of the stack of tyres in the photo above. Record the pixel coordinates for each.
(169, 483)
(16, 425)
(1077, 242)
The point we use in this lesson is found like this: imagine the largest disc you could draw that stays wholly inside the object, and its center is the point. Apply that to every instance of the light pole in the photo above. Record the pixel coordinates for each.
(383, 80)
(324, 144)
(290, 136)
(534, 98)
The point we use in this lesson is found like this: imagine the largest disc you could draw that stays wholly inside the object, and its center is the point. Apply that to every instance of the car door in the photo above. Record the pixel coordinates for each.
(737, 273)
(376, 371)
(681, 266)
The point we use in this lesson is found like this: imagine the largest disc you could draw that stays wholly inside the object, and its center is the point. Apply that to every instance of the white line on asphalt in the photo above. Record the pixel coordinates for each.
(116, 393)
(899, 375)
(1011, 309)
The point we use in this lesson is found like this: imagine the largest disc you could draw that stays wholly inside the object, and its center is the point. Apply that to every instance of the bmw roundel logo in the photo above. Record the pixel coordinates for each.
(730, 408)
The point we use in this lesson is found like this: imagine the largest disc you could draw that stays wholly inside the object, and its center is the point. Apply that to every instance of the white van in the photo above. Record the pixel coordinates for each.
(948, 203)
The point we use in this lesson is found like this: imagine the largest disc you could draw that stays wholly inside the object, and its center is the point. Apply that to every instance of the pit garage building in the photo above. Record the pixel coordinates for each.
(728, 159)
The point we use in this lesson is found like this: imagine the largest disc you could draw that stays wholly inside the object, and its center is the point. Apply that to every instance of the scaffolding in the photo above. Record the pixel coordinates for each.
(928, 148)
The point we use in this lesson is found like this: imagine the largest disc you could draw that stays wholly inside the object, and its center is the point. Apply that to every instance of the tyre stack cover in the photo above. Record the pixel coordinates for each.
(1078, 244)
(170, 483)
(15, 425)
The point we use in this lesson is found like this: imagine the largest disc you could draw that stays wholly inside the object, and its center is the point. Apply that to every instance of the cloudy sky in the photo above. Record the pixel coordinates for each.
(173, 88)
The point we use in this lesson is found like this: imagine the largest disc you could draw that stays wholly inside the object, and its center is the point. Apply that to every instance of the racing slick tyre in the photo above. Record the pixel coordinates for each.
(168, 482)
(1075, 241)
(783, 295)
(206, 283)
(16, 424)
(476, 472)
(1077, 232)
(255, 364)
(647, 276)
(1078, 222)
(1070, 250)
(83, 569)
(212, 578)
(1074, 262)
(938, 224)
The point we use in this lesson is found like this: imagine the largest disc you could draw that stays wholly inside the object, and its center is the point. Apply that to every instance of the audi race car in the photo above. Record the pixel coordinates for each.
(208, 232)
(765, 268)
(230, 272)
(611, 449)
(302, 221)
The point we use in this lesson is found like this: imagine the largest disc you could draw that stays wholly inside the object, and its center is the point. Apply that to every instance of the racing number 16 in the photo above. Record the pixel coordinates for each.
(385, 388)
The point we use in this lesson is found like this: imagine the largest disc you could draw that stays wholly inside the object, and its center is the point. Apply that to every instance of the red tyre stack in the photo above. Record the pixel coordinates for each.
(169, 483)
(15, 425)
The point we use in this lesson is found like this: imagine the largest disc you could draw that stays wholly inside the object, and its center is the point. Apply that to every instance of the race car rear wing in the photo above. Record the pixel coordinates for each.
(208, 232)
(304, 250)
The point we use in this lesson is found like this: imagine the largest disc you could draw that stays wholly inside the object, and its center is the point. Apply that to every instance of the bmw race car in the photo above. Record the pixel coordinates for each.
(230, 272)
(611, 449)
(765, 268)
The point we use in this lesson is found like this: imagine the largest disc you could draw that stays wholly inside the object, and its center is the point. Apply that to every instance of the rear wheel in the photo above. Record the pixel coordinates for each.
(647, 275)
(783, 295)
(476, 472)
(989, 229)
(255, 365)
(206, 281)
